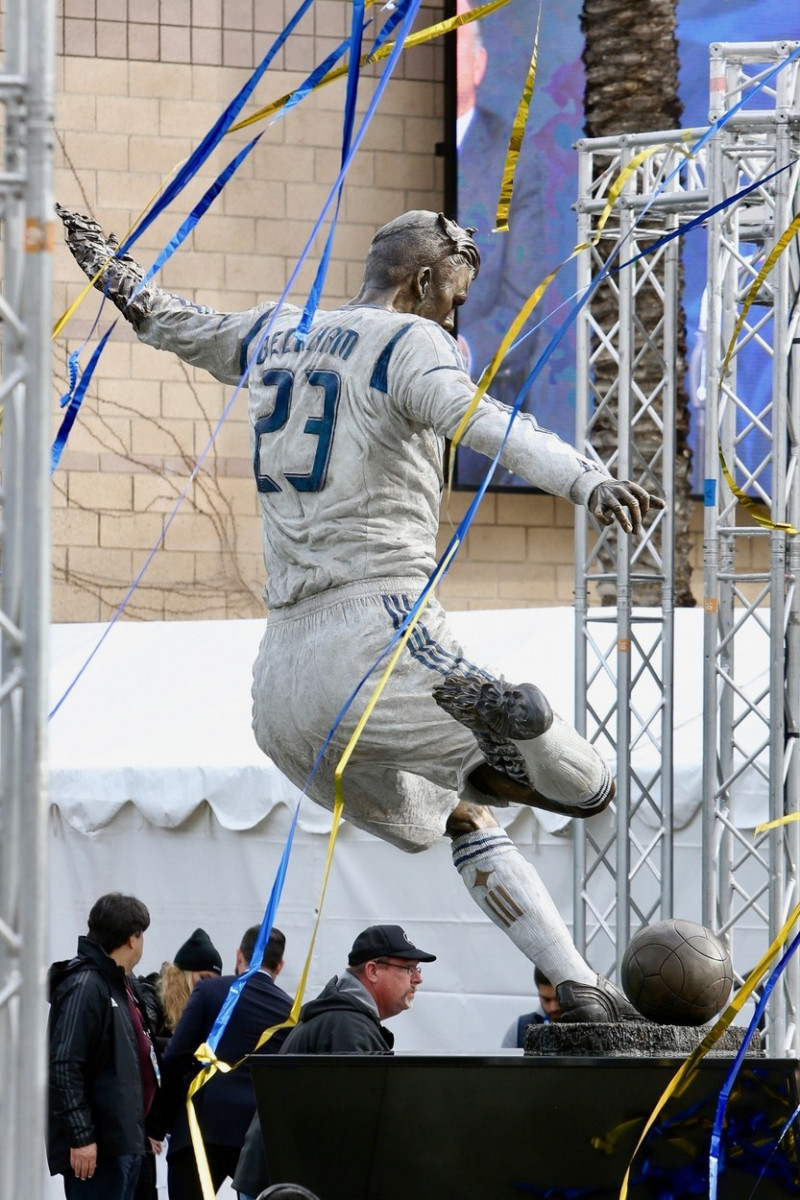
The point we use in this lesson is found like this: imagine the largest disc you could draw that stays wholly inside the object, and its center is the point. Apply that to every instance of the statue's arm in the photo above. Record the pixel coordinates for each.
(199, 335)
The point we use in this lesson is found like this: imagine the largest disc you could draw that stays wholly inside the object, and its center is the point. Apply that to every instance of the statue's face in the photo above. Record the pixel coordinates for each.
(448, 287)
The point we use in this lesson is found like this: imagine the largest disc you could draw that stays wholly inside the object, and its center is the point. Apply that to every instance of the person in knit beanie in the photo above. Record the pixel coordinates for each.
(197, 958)
(199, 955)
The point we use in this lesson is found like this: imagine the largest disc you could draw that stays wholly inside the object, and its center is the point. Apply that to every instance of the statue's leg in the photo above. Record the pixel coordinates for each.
(511, 893)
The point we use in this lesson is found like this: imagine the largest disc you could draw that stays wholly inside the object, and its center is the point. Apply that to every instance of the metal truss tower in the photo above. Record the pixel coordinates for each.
(635, 190)
(26, 95)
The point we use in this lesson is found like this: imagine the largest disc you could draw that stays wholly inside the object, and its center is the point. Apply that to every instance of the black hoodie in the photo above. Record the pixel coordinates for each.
(338, 1022)
(95, 1090)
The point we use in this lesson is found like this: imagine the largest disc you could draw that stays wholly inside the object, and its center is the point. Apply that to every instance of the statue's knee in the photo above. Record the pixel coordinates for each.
(467, 818)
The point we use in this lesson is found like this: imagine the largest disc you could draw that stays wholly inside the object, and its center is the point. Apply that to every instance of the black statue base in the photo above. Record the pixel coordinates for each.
(369, 1127)
(630, 1039)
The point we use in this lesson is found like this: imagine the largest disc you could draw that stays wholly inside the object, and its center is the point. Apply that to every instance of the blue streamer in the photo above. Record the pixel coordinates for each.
(319, 73)
(389, 26)
(77, 391)
(316, 76)
(214, 135)
(183, 231)
(72, 377)
(719, 1116)
(723, 120)
(356, 33)
(76, 399)
(413, 7)
(381, 87)
(184, 176)
(701, 220)
(268, 921)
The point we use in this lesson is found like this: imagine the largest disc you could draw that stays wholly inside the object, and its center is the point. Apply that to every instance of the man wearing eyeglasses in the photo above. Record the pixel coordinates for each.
(381, 980)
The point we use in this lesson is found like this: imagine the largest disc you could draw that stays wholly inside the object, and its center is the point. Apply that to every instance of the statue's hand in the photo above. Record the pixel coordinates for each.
(117, 275)
(622, 501)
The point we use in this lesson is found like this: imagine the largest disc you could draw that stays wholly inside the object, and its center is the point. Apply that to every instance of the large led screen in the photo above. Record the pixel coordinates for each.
(491, 64)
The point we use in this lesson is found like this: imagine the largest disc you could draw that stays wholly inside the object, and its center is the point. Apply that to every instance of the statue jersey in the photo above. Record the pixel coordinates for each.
(347, 430)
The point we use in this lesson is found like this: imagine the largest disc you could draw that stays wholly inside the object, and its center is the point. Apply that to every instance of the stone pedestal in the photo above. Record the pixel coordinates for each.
(630, 1039)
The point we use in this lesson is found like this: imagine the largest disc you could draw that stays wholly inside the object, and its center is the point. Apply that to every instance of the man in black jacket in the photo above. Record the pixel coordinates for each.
(381, 980)
(225, 1105)
(103, 1069)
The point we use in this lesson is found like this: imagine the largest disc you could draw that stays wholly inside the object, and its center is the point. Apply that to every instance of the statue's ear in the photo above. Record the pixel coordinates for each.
(422, 282)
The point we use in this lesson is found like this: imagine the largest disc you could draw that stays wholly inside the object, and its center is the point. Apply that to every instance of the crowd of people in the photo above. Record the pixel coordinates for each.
(120, 1068)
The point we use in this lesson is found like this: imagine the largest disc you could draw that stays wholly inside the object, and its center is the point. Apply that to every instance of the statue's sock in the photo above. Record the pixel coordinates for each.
(511, 893)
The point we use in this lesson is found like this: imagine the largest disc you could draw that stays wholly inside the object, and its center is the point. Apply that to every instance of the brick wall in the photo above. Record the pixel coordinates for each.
(139, 83)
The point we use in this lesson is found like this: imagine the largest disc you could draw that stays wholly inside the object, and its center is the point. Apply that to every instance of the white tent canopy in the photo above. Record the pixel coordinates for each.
(158, 789)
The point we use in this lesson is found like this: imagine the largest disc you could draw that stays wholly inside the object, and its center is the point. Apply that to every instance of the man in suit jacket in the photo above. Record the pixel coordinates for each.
(226, 1104)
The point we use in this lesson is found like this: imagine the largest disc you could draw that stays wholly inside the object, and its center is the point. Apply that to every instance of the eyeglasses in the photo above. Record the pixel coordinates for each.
(412, 971)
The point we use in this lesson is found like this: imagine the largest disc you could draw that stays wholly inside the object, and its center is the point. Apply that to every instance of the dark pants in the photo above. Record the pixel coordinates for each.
(183, 1182)
(146, 1185)
(113, 1179)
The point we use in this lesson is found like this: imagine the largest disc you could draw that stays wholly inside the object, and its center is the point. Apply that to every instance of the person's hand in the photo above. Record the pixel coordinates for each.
(156, 1147)
(83, 1160)
(622, 501)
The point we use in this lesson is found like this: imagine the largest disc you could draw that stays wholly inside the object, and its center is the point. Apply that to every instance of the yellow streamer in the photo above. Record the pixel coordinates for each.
(414, 39)
(619, 183)
(517, 134)
(752, 506)
(623, 177)
(489, 374)
(351, 745)
(746, 501)
(687, 1069)
(778, 821)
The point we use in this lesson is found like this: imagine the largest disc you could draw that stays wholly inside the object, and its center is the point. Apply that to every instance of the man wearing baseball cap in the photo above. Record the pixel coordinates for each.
(381, 980)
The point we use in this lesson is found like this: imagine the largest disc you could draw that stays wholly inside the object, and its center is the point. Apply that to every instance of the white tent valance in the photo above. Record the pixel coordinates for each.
(160, 717)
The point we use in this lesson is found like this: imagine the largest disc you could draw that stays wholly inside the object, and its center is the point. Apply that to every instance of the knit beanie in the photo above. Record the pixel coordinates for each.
(198, 953)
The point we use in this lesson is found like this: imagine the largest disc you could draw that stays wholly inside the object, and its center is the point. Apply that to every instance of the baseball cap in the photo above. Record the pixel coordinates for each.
(381, 940)
(198, 953)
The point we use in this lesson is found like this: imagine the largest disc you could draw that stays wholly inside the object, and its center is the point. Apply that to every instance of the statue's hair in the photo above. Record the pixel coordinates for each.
(414, 240)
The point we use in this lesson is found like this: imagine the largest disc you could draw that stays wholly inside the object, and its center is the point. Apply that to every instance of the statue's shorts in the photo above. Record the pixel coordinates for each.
(412, 762)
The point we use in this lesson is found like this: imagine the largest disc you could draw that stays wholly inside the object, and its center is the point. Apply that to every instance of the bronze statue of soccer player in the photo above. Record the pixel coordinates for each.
(348, 425)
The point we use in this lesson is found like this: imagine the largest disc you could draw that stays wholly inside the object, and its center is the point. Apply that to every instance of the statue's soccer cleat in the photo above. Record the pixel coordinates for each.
(599, 1003)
